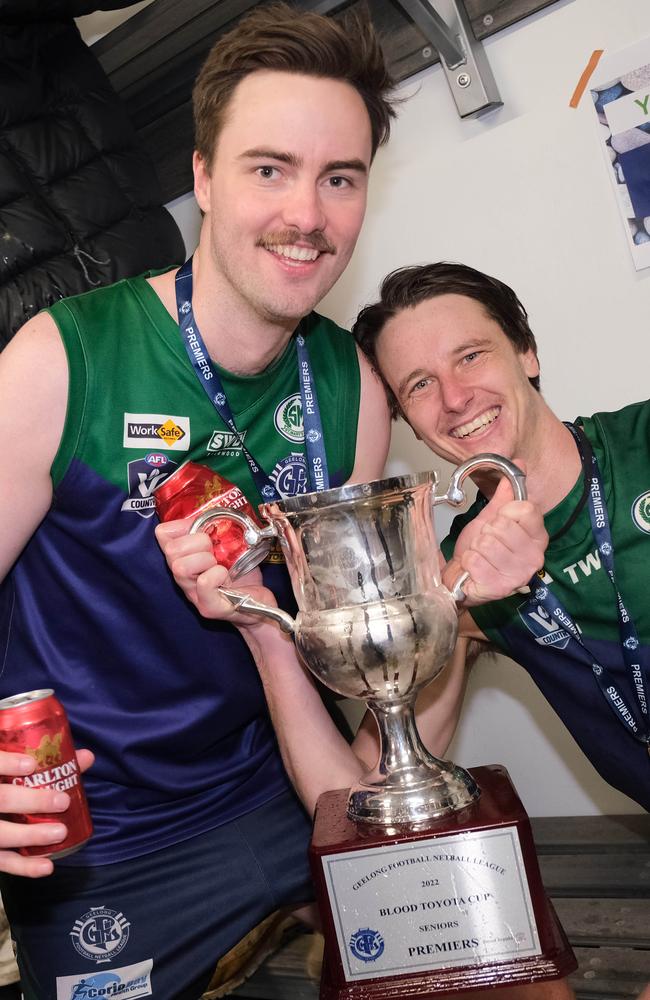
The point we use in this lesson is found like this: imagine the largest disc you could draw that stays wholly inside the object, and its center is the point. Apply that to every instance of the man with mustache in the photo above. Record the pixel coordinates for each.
(198, 833)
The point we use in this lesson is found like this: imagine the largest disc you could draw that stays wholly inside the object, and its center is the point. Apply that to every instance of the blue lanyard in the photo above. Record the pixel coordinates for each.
(636, 722)
(209, 379)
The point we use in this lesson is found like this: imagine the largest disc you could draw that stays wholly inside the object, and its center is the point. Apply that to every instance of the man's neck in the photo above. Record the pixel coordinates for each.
(552, 462)
(236, 337)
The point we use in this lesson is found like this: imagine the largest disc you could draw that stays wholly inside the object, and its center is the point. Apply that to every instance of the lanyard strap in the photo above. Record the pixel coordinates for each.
(209, 378)
(636, 722)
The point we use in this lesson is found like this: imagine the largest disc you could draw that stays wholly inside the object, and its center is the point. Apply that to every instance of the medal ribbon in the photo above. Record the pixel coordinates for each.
(637, 724)
(209, 378)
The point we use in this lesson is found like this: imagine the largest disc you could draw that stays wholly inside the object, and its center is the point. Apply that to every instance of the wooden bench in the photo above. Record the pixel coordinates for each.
(596, 870)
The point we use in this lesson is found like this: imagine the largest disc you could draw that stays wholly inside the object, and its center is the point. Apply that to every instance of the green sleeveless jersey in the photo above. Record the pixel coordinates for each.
(576, 575)
(171, 703)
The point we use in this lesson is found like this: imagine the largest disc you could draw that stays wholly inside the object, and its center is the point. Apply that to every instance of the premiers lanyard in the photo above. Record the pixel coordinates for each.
(635, 720)
(209, 379)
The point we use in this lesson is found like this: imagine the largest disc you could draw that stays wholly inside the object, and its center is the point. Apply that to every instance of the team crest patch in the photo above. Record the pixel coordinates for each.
(100, 934)
(130, 981)
(226, 443)
(546, 630)
(290, 475)
(288, 418)
(641, 512)
(143, 476)
(144, 430)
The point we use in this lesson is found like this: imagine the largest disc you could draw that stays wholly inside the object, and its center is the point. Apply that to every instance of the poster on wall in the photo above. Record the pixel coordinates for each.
(621, 93)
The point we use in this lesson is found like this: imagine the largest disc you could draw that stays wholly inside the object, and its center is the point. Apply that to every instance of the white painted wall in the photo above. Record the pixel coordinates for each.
(524, 195)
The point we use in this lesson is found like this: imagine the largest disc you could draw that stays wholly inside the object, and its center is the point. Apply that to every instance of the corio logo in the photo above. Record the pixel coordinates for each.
(641, 512)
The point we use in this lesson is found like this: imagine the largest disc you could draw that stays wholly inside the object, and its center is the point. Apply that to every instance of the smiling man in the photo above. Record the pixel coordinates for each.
(198, 833)
(459, 363)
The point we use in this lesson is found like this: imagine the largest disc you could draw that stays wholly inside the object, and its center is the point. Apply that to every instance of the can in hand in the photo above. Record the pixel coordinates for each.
(193, 489)
(35, 723)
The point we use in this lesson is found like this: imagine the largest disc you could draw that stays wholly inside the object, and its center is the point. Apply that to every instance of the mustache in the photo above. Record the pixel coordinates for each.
(285, 237)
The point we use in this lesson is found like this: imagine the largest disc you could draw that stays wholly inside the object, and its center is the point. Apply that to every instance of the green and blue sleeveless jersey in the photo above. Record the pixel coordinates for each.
(621, 443)
(170, 703)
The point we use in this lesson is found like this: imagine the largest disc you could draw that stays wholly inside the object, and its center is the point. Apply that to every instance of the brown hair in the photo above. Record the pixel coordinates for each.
(278, 37)
(409, 286)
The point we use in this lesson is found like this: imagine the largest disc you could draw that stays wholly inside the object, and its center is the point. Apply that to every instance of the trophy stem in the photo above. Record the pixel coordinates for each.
(408, 785)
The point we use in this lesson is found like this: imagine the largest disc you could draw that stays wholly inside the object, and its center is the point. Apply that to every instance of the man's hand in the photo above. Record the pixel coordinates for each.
(26, 801)
(192, 563)
(501, 548)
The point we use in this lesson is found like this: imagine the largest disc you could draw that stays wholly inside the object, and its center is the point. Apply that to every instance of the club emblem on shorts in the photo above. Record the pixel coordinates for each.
(290, 475)
(100, 934)
(641, 512)
(288, 418)
(366, 944)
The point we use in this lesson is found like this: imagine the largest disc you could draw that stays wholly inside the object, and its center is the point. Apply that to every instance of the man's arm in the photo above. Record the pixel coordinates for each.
(373, 426)
(33, 397)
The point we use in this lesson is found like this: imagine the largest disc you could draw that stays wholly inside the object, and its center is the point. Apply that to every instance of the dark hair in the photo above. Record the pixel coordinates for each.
(278, 37)
(409, 286)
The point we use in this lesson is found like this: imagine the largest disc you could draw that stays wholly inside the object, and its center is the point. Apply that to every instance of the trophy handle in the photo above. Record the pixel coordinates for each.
(455, 495)
(253, 535)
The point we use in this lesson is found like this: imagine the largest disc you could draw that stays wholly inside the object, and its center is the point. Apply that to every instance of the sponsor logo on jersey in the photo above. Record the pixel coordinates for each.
(226, 443)
(641, 512)
(100, 934)
(142, 480)
(130, 981)
(546, 630)
(141, 430)
(290, 475)
(288, 418)
(156, 458)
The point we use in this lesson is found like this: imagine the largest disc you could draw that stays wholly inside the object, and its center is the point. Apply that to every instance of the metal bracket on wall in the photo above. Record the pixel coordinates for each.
(446, 24)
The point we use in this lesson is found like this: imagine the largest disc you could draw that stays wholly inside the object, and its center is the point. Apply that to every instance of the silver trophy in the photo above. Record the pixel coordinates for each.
(375, 622)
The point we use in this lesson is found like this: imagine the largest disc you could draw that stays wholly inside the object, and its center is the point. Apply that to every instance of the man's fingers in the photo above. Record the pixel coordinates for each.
(22, 800)
(15, 864)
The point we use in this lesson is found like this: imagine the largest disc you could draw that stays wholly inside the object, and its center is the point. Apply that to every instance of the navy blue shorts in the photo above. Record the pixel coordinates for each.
(157, 925)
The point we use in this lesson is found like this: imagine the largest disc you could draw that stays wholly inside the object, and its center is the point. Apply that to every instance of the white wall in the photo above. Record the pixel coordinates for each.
(524, 195)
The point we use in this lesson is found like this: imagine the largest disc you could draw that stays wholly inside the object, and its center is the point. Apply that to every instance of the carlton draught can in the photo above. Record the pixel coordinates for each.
(35, 723)
(194, 488)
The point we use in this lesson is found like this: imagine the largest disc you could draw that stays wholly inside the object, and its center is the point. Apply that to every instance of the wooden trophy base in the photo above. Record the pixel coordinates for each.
(454, 905)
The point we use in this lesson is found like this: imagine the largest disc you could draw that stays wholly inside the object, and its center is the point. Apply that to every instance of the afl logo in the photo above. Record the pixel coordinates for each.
(155, 458)
(288, 418)
(367, 944)
(641, 512)
(100, 934)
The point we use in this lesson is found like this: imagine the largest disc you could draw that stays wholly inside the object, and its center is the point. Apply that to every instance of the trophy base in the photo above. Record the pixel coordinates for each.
(404, 940)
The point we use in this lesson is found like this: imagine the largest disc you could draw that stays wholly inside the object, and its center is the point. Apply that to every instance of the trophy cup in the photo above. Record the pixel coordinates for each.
(425, 873)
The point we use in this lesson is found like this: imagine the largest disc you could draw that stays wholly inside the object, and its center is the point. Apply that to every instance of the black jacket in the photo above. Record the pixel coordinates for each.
(80, 204)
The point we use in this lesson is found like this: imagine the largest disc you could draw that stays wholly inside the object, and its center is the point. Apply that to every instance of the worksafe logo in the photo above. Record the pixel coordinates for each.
(100, 934)
(641, 512)
(288, 418)
(141, 430)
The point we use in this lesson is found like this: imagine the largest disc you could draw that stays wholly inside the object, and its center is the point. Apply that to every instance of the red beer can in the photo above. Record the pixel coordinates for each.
(35, 723)
(194, 488)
